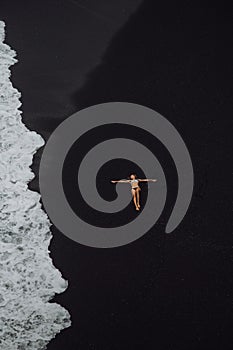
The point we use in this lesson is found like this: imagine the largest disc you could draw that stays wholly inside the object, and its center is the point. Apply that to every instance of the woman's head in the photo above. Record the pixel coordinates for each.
(133, 176)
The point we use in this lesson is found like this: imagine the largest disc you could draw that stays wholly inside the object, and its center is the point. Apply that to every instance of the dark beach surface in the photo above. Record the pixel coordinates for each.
(163, 291)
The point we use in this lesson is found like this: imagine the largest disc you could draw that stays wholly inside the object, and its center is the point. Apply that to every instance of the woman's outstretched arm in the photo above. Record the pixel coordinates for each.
(123, 181)
(147, 180)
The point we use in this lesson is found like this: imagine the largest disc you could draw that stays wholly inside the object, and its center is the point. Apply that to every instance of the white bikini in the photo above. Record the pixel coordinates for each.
(134, 183)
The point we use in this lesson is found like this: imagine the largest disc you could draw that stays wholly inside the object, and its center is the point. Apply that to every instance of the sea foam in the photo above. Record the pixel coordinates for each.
(28, 279)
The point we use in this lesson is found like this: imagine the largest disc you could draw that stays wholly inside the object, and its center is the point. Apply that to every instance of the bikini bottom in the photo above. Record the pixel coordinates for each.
(134, 188)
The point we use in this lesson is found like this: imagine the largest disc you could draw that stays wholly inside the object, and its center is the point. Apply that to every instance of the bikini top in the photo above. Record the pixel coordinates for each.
(133, 181)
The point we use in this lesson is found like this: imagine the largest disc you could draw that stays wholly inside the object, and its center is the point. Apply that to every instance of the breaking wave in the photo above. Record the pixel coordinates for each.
(28, 278)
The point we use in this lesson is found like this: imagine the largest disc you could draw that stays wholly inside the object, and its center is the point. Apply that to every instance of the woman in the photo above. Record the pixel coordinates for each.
(135, 189)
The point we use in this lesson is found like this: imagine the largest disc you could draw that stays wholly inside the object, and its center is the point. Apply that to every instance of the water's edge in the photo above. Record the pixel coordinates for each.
(28, 279)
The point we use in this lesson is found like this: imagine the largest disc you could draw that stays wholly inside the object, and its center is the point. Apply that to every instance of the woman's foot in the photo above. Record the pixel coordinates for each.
(137, 208)
(138, 205)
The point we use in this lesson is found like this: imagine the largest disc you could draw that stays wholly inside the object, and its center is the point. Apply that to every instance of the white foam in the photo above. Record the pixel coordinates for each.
(28, 279)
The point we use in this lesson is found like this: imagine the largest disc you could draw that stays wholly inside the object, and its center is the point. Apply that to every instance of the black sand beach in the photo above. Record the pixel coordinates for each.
(162, 291)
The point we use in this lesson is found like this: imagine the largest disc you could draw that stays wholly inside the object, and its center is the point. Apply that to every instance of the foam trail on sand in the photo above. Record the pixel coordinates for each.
(28, 279)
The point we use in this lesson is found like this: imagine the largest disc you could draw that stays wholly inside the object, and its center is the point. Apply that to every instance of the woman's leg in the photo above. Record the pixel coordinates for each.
(134, 199)
(138, 197)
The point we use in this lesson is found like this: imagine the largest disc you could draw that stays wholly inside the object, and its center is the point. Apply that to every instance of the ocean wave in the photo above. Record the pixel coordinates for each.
(29, 281)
